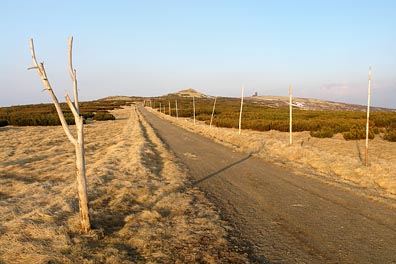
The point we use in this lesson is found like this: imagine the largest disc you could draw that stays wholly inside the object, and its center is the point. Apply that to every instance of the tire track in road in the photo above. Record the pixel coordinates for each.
(287, 218)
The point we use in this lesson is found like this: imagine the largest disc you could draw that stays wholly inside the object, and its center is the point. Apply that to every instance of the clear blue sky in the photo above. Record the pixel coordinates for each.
(149, 48)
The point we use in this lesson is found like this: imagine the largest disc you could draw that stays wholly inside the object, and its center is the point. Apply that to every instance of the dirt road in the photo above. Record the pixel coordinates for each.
(286, 218)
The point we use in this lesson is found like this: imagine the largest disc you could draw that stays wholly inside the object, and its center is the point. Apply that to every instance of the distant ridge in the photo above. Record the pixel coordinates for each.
(271, 101)
(312, 104)
(117, 98)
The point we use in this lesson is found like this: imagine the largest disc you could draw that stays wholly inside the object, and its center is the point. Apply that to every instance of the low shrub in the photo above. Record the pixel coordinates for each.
(323, 133)
(3, 123)
(390, 135)
(103, 116)
(88, 115)
(357, 132)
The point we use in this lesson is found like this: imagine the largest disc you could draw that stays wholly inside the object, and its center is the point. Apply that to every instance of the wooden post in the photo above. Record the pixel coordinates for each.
(194, 108)
(160, 109)
(240, 112)
(177, 111)
(368, 116)
(79, 142)
(211, 118)
(170, 112)
(291, 113)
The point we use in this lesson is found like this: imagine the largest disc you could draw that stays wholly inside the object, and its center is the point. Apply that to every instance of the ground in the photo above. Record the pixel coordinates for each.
(142, 207)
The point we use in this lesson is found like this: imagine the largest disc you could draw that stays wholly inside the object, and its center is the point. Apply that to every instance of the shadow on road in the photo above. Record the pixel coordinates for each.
(222, 170)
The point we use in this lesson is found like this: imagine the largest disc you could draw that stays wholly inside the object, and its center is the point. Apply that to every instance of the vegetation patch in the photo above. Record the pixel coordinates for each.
(46, 115)
(263, 117)
(3, 123)
(358, 132)
(323, 133)
(390, 134)
(102, 116)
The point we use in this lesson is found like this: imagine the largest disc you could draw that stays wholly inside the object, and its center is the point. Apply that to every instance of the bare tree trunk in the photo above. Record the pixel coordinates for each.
(79, 142)
(81, 177)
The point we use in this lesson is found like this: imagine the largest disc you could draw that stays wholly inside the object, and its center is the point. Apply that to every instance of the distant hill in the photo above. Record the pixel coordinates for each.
(311, 104)
(190, 93)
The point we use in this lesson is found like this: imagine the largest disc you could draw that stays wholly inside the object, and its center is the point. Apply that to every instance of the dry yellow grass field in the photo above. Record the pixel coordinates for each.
(332, 160)
(142, 206)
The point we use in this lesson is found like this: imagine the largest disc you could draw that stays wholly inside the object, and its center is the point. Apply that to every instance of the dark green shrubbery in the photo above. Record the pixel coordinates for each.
(323, 133)
(390, 132)
(103, 115)
(264, 118)
(3, 123)
(390, 135)
(358, 132)
(46, 115)
(38, 119)
(87, 115)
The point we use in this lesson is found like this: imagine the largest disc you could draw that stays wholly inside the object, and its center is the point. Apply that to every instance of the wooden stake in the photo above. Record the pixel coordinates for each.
(79, 142)
(170, 112)
(291, 114)
(194, 108)
(368, 115)
(177, 111)
(211, 118)
(240, 112)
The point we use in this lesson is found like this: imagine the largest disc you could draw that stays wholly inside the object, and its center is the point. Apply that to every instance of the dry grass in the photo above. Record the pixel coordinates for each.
(142, 207)
(333, 160)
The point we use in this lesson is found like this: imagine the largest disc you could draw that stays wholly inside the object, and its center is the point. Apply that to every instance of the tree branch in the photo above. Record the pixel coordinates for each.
(72, 107)
(73, 74)
(41, 72)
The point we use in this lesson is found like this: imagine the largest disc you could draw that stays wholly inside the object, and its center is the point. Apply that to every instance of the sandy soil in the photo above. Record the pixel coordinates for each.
(333, 160)
(143, 208)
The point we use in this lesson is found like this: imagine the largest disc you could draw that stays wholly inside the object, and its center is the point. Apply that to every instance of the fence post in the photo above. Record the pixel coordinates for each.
(291, 114)
(177, 111)
(194, 108)
(211, 118)
(240, 112)
(368, 115)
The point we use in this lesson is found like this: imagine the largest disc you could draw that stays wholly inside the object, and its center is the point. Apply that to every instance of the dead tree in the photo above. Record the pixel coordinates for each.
(79, 142)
